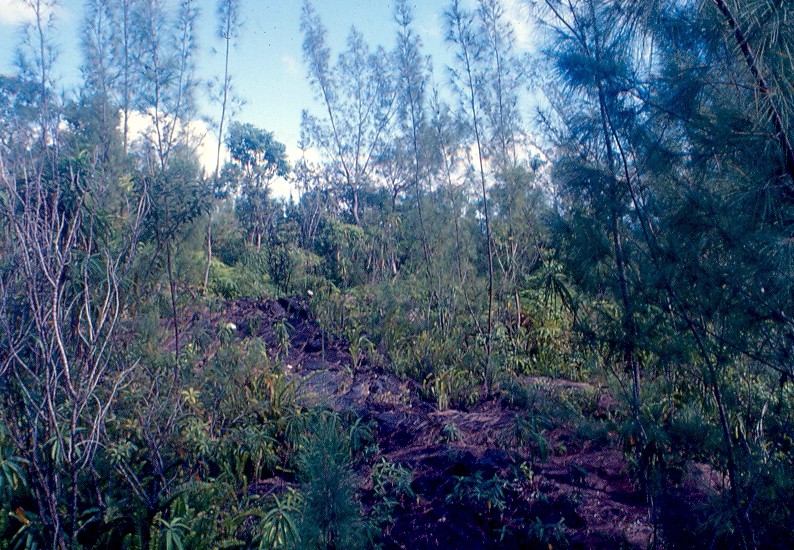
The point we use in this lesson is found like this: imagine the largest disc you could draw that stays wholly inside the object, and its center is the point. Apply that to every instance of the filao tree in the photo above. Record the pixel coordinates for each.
(357, 93)
(228, 29)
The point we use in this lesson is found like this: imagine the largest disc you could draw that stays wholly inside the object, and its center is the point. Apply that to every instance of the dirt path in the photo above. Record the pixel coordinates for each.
(478, 482)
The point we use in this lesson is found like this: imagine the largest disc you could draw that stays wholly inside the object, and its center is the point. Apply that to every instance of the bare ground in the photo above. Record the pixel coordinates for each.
(558, 489)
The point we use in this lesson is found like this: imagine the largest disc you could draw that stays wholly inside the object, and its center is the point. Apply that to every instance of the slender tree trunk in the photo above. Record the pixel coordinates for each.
(43, 76)
(745, 527)
(463, 39)
(487, 217)
(172, 287)
(417, 184)
(209, 253)
(73, 506)
(458, 243)
(355, 207)
(764, 91)
(125, 101)
(224, 101)
(225, 98)
(620, 258)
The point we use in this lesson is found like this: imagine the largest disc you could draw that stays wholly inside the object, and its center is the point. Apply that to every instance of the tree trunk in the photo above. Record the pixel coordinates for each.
(172, 286)
(209, 254)
(762, 86)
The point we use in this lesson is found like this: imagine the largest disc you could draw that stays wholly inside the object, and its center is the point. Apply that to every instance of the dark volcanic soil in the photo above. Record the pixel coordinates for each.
(557, 489)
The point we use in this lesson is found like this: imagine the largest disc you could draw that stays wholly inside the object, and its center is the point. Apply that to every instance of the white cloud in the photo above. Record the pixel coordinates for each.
(16, 12)
(517, 14)
(207, 146)
(432, 30)
(205, 143)
(140, 127)
(282, 188)
(291, 65)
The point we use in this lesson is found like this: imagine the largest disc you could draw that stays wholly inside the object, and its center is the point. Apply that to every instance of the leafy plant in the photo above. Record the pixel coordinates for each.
(168, 534)
(362, 436)
(479, 490)
(279, 527)
(12, 472)
(331, 515)
(453, 387)
(360, 348)
(552, 535)
(282, 329)
(451, 432)
(391, 487)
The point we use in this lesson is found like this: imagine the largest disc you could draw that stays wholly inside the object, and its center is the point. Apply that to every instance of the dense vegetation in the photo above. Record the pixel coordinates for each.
(633, 231)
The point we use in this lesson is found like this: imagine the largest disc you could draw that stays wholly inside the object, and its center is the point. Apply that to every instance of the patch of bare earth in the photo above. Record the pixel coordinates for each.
(577, 493)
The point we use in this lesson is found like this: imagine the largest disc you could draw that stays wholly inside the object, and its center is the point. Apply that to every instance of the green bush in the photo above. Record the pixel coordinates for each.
(238, 281)
(331, 515)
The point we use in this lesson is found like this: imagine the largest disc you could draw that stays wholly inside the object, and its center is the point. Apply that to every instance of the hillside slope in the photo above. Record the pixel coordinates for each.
(536, 466)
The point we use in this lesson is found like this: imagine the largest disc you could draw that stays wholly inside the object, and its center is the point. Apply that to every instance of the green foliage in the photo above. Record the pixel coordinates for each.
(256, 150)
(637, 291)
(340, 245)
(257, 159)
(279, 525)
(361, 347)
(391, 485)
(16, 525)
(551, 534)
(528, 431)
(282, 328)
(244, 279)
(453, 387)
(550, 345)
(28, 533)
(362, 437)
(12, 470)
(168, 534)
(451, 433)
(486, 495)
(331, 516)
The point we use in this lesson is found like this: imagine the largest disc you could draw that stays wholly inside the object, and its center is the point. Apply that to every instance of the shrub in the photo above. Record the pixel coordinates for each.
(331, 515)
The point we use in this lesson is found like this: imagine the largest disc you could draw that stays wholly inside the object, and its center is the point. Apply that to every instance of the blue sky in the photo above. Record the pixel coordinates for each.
(267, 65)
(269, 68)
